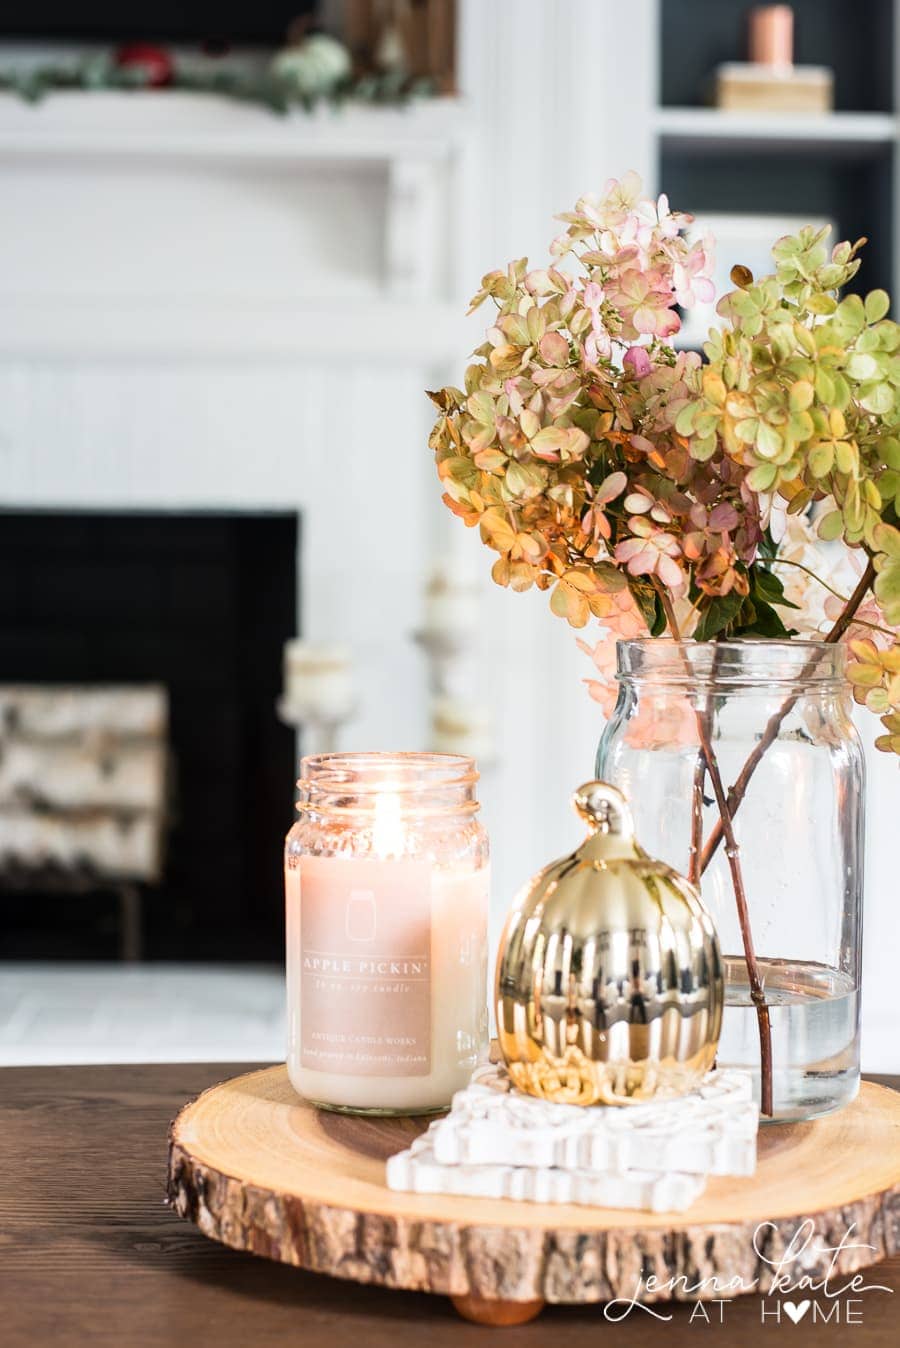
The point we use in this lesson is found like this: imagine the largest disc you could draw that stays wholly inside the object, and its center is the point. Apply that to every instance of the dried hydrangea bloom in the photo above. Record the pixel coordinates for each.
(619, 474)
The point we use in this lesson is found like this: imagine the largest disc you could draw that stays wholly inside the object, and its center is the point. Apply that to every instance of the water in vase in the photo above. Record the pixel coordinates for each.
(814, 1013)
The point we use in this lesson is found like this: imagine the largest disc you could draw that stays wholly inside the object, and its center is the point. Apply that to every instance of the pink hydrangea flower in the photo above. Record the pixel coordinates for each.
(653, 555)
(638, 361)
(690, 281)
(624, 622)
(646, 307)
(668, 720)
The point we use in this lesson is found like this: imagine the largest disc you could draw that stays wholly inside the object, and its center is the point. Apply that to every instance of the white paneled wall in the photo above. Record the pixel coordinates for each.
(545, 80)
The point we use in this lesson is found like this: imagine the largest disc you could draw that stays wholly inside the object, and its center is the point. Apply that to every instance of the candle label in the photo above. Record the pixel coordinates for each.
(365, 961)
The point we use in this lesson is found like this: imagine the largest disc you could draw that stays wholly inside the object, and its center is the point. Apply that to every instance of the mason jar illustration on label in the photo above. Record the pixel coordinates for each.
(360, 915)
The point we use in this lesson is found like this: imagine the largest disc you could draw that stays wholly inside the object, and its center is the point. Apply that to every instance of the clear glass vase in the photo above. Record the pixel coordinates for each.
(773, 719)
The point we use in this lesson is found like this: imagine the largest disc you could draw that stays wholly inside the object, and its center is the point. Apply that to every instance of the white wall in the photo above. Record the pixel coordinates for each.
(545, 82)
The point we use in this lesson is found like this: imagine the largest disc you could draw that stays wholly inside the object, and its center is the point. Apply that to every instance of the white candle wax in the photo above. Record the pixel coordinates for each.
(387, 967)
(318, 681)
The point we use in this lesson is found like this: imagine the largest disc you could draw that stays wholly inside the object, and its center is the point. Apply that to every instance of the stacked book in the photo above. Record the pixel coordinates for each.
(499, 1143)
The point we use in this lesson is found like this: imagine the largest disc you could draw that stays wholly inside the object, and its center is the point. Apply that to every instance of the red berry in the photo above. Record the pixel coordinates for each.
(154, 62)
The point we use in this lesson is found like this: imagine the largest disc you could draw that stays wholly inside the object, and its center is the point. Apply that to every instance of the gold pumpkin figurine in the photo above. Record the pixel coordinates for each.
(609, 974)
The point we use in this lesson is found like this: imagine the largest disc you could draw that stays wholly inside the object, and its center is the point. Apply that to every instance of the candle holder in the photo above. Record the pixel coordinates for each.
(319, 696)
(386, 882)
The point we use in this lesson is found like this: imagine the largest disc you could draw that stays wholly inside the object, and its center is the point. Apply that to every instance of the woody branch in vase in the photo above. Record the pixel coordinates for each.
(745, 512)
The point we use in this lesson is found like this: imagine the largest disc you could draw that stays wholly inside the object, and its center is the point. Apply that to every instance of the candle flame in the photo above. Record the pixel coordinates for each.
(388, 833)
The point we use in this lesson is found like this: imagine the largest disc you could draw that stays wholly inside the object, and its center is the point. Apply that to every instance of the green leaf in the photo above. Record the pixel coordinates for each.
(684, 422)
(762, 477)
(651, 609)
(821, 459)
(887, 590)
(889, 484)
(846, 457)
(801, 395)
(481, 407)
(767, 545)
(768, 588)
(611, 578)
(704, 448)
(658, 626)
(861, 366)
(460, 469)
(536, 323)
(841, 391)
(524, 481)
(549, 441)
(887, 539)
(824, 387)
(799, 501)
(890, 451)
(768, 441)
(820, 304)
(766, 623)
(878, 302)
(877, 397)
(831, 526)
(850, 315)
(719, 613)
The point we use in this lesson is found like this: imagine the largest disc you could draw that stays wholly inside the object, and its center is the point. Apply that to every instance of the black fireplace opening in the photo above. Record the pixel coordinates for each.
(199, 604)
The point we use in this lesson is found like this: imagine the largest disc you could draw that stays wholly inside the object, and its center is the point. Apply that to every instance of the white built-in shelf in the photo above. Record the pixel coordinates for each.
(715, 130)
(188, 125)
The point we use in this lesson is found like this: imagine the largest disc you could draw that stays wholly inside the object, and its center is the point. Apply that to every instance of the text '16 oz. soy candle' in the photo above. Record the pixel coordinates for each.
(387, 883)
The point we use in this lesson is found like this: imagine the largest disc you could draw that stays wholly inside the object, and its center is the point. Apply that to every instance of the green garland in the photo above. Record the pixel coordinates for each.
(277, 93)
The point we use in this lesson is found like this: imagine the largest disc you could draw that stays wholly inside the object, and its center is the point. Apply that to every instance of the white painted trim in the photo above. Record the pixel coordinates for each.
(834, 131)
(190, 126)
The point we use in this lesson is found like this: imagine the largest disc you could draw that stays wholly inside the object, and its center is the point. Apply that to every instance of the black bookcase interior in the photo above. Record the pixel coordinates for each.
(840, 166)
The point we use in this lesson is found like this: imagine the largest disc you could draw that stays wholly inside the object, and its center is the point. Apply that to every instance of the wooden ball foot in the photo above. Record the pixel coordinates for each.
(487, 1311)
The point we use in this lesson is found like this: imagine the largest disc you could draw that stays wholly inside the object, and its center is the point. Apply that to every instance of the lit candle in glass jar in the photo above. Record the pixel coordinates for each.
(387, 881)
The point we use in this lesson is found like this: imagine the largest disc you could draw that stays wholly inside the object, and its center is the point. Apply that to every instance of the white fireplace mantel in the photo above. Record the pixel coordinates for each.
(176, 224)
(205, 126)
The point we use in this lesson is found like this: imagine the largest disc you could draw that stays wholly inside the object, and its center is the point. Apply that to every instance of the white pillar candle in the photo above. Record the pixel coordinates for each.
(387, 902)
(318, 682)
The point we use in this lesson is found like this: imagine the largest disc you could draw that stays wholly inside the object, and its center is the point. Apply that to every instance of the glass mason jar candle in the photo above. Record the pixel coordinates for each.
(387, 886)
(777, 716)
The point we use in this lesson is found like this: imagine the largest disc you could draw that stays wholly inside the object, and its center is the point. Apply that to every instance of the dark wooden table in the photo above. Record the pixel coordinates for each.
(89, 1253)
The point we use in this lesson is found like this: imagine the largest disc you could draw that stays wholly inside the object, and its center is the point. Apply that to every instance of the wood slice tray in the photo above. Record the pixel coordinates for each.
(258, 1169)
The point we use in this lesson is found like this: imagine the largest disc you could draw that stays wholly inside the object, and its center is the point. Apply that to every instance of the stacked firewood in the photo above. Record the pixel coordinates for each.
(83, 780)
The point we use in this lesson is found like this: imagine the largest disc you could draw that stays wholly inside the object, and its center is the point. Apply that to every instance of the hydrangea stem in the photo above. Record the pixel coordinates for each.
(696, 851)
(732, 851)
(770, 734)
